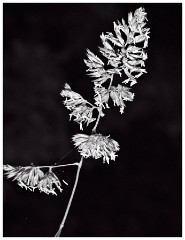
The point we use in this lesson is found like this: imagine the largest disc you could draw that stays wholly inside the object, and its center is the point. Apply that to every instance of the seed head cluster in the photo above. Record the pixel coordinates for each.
(123, 54)
(32, 178)
(96, 146)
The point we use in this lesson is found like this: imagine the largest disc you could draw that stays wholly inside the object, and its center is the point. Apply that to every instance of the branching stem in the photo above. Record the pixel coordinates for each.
(78, 171)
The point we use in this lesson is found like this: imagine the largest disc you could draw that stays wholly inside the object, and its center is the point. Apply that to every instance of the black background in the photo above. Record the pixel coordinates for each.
(139, 194)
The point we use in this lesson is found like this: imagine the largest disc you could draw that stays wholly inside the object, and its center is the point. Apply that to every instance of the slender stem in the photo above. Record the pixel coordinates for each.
(97, 121)
(63, 165)
(100, 110)
(79, 167)
(110, 82)
(70, 200)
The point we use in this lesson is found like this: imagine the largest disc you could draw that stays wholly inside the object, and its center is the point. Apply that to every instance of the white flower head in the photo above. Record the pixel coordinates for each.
(93, 61)
(78, 106)
(101, 96)
(120, 94)
(47, 182)
(137, 20)
(97, 70)
(140, 15)
(72, 98)
(82, 114)
(121, 52)
(31, 177)
(96, 146)
(27, 177)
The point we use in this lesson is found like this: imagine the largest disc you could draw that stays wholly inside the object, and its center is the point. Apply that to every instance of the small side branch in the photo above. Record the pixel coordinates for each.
(63, 165)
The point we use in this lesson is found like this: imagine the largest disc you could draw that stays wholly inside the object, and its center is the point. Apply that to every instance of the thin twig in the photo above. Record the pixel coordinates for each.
(63, 165)
(97, 121)
(63, 156)
(70, 200)
(110, 82)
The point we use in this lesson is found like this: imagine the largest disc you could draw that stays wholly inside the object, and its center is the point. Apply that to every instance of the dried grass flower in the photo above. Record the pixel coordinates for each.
(122, 55)
(101, 96)
(48, 182)
(26, 177)
(31, 177)
(82, 114)
(120, 94)
(80, 108)
(96, 146)
(73, 99)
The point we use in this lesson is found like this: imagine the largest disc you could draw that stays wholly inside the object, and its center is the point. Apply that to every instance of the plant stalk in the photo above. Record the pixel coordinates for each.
(70, 200)
(78, 172)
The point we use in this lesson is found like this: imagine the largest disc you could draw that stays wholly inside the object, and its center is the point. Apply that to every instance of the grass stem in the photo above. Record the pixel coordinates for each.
(70, 200)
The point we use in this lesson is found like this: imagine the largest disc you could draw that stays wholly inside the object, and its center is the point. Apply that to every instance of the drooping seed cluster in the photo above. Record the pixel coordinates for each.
(32, 178)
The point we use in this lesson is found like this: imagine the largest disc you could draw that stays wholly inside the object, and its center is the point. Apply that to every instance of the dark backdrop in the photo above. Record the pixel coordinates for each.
(139, 194)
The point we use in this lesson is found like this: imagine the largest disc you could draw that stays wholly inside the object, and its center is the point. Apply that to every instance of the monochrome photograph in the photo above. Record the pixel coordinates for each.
(92, 119)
